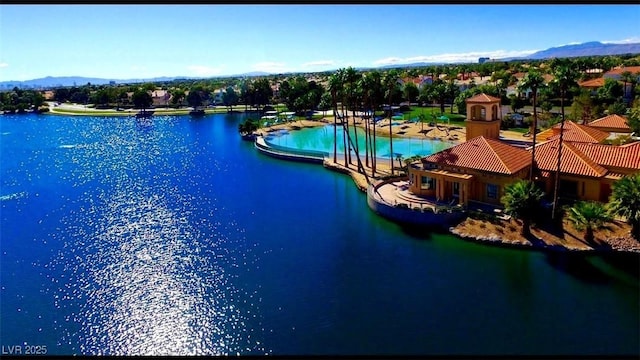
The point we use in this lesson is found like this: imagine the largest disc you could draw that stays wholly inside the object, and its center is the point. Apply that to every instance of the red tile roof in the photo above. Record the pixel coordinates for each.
(593, 83)
(580, 133)
(573, 160)
(484, 154)
(614, 121)
(482, 98)
(618, 71)
(625, 156)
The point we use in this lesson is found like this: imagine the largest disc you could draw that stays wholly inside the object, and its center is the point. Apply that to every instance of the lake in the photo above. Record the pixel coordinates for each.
(174, 236)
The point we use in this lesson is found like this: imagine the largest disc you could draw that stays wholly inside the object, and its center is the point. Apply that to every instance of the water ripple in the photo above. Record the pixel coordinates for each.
(141, 274)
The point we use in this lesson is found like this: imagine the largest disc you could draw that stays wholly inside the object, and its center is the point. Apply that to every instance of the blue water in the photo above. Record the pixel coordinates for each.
(173, 236)
(321, 139)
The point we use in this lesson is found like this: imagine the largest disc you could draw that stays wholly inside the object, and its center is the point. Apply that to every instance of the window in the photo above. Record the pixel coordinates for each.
(428, 183)
(483, 114)
(492, 191)
(568, 188)
(456, 189)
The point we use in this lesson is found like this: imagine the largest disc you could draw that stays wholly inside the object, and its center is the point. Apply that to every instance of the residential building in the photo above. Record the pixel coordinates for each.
(574, 132)
(160, 97)
(474, 171)
(616, 74)
(478, 170)
(616, 124)
(592, 85)
(588, 170)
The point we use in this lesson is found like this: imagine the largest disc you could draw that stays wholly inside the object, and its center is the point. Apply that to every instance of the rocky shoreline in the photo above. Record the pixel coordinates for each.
(621, 244)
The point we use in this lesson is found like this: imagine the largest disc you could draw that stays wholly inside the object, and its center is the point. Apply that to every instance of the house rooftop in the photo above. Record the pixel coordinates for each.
(625, 156)
(613, 121)
(573, 161)
(484, 154)
(482, 98)
(620, 70)
(593, 83)
(580, 133)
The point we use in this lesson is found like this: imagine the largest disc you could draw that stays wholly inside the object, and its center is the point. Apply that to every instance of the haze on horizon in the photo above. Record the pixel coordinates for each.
(146, 41)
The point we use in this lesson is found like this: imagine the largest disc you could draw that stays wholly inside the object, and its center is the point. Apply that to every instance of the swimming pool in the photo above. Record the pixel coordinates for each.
(321, 139)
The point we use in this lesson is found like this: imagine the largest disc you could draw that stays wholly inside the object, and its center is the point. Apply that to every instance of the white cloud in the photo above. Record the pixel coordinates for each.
(3, 65)
(318, 63)
(632, 40)
(454, 58)
(570, 43)
(270, 67)
(201, 70)
(388, 61)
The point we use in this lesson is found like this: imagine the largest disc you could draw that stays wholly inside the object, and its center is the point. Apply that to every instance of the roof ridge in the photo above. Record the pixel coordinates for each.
(495, 153)
(586, 159)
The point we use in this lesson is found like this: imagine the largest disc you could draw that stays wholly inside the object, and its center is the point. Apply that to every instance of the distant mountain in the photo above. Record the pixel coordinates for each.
(54, 81)
(418, 64)
(250, 74)
(592, 48)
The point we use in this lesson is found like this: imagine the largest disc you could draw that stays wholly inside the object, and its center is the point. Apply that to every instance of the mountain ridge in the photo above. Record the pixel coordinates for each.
(591, 48)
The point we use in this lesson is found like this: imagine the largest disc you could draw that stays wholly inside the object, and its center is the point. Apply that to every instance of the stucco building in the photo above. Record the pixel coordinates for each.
(479, 169)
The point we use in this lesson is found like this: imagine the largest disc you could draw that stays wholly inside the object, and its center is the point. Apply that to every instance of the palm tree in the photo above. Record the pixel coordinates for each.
(625, 201)
(534, 81)
(390, 82)
(376, 94)
(564, 77)
(521, 200)
(335, 86)
(588, 216)
(364, 89)
(351, 78)
(626, 77)
(341, 73)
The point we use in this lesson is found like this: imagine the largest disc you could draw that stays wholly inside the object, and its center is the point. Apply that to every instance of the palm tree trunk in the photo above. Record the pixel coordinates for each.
(345, 126)
(535, 126)
(390, 134)
(526, 227)
(557, 179)
(374, 152)
(588, 236)
(355, 132)
(335, 132)
(367, 137)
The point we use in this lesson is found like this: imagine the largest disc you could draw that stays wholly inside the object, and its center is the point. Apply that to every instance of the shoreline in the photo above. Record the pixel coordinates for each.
(404, 128)
(623, 244)
(545, 241)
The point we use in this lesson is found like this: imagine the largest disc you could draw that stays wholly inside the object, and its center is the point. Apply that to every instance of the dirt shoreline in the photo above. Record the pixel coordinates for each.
(479, 231)
(507, 233)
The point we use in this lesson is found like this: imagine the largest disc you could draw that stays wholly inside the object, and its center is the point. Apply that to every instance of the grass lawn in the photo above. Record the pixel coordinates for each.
(431, 112)
(520, 130)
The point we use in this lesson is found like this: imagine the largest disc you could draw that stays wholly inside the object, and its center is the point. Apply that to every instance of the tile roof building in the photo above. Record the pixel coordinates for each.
(574, 132)
(483, 116)
(479, 169)
(611, 123)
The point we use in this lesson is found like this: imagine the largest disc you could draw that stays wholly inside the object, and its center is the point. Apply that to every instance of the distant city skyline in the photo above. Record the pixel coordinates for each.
(147, 41)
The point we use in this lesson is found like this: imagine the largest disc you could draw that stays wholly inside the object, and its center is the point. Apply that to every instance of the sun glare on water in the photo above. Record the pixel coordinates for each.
(140, 274)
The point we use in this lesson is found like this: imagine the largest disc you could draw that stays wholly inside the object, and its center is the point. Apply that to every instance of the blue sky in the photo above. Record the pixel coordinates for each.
(143, 41)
